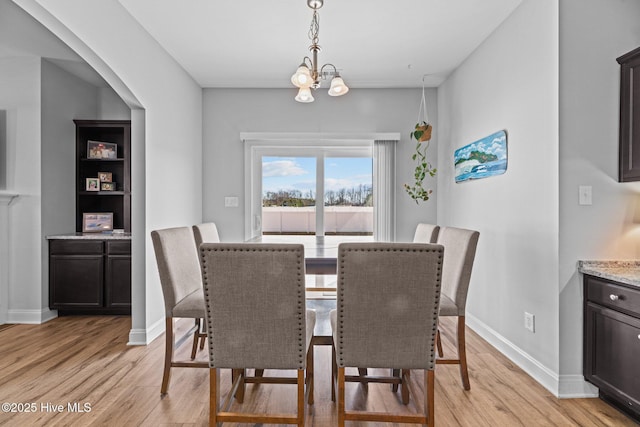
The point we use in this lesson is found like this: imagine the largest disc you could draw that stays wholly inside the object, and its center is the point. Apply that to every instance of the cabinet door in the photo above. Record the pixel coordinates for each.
(612, 352)
(629, 153)
(76, 281)
(118, 281)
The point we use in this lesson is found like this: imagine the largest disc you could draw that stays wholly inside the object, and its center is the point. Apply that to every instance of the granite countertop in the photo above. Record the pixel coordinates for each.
(91, 236)
(627, 272)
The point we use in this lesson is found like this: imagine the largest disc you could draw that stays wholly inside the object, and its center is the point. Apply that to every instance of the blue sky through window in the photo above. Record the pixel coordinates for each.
(299, 173)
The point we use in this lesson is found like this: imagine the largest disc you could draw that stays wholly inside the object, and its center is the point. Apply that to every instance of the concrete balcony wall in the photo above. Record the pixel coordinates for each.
(338, 219)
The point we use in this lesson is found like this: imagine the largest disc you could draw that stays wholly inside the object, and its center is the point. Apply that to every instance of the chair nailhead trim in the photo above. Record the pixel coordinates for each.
(342, 256)
(300, 293)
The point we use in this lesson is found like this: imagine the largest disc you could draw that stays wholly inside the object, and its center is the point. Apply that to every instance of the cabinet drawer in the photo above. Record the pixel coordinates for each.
(603, 292)
(120, 247)
(78, 247)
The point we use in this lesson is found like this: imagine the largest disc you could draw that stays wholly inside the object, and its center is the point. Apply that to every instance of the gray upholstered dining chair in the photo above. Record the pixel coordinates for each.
(460, 251)
(181, 281)
(256, 318)
(426, 233)
(206, 232)
(387, 316)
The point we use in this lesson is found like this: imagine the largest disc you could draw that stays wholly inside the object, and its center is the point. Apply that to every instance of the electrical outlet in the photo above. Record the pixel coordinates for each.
(585, 196)
(530, 322)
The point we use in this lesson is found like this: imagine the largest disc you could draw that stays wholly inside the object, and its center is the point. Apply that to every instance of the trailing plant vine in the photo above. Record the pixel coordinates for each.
(422, 134)
(423, 167)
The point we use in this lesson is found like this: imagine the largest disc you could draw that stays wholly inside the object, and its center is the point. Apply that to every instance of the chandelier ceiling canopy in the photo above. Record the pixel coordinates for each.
(308, 74)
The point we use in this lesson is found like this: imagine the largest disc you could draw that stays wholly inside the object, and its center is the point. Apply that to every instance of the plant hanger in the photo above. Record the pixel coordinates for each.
(422, 134)
(422, 111)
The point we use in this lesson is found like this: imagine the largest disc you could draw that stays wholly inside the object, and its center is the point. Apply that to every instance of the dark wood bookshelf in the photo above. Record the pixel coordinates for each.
(118, 202)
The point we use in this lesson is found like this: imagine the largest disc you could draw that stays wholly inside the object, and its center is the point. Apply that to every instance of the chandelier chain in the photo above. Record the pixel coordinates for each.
(314, 28)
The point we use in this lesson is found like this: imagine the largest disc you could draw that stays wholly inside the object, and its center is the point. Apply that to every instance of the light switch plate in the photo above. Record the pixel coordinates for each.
(231, 202)
(585, 195)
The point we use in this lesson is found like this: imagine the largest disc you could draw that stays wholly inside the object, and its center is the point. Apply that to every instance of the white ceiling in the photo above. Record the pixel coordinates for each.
(251, 43)
(373, 43)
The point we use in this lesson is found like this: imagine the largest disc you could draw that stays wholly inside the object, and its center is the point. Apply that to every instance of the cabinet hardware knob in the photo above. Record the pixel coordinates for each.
(613, 297)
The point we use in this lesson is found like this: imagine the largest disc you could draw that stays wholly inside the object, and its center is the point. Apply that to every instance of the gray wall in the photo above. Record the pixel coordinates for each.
(510, 82)
(111, 106)
(593, 33)
(20, 97)
(227, 112)
(64, 98)
(3, 149)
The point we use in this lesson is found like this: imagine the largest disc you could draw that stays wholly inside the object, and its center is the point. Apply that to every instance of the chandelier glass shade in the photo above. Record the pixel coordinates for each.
(302, 77)
(304, 95)
(308, 76)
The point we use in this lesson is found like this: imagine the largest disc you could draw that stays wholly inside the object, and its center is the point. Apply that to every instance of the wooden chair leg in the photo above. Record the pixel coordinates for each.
(168, 355)
(301, 381)
(405, 386)
(341, 407)
(363, 372)
(196, 338)
(214, 396)
(309, 374)
(429, 397)
(334, 373)
(235, 373)
(462, 353)
(203, 335)
(439, 344)
(395, 373)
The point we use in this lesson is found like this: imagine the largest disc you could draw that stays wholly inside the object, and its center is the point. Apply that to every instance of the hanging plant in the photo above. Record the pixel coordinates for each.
(422, 134)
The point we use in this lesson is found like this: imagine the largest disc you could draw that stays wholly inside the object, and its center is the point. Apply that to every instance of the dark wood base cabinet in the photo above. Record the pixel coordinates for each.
(612, 342)
(90, 276)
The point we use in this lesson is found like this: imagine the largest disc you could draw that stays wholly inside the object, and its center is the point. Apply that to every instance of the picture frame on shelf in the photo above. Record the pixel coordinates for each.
(102, 150)
(92, 184)
(97, 222)
(107, 186)
(105, 176)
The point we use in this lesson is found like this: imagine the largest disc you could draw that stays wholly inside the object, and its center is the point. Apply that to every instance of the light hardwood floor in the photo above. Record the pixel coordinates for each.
(86, 360)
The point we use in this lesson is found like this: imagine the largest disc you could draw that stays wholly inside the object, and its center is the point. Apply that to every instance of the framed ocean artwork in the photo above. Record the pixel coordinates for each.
(483, 158)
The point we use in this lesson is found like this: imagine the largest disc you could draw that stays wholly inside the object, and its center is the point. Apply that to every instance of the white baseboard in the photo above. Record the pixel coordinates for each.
(145, 336)
(574, 387)
(562, 386)
(31, 317)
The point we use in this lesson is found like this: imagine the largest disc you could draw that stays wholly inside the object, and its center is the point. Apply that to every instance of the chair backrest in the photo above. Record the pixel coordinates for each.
(387, 304)
(255, 305)
(206, 233)
(460, 251)
(426, 233)
(178, 264)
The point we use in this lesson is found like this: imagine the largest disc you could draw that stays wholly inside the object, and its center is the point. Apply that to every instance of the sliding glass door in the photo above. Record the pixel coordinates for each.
(348, 195)
(315, 190)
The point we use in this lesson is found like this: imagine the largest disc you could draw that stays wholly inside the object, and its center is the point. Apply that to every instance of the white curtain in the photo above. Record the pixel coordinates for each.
(384, 178)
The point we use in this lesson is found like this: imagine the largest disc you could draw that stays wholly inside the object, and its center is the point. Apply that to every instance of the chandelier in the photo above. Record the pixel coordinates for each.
(307, 76)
